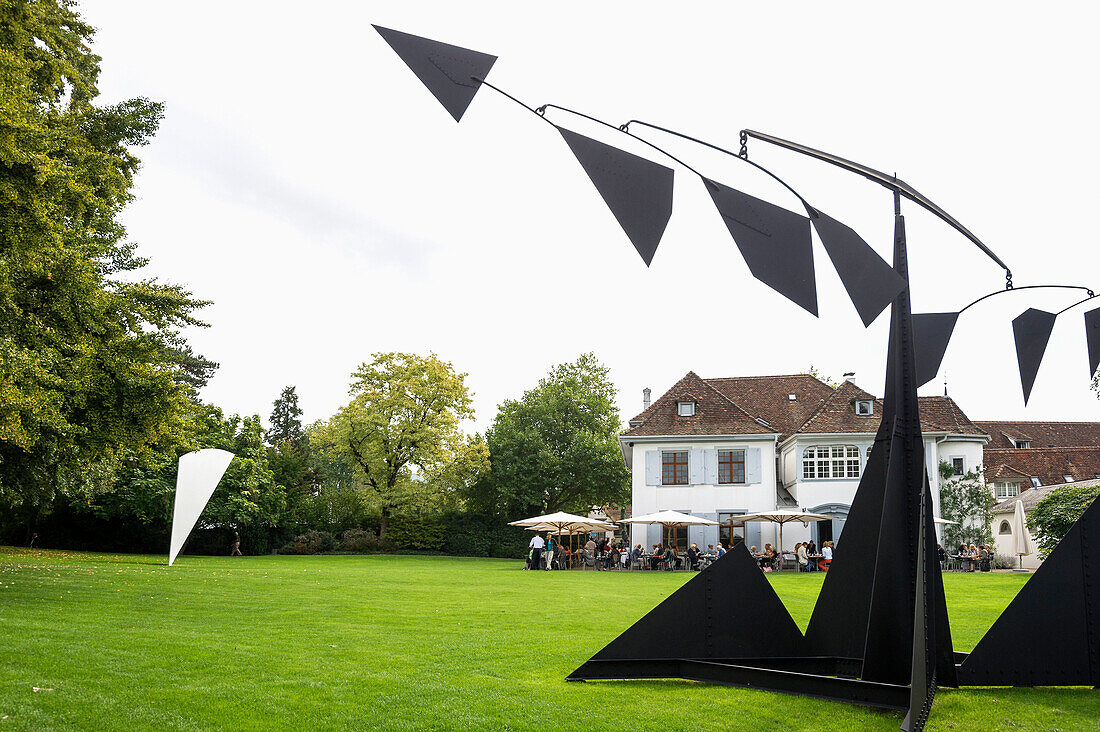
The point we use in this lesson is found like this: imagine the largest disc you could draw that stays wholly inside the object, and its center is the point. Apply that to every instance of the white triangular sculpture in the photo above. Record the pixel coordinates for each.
(198, 476)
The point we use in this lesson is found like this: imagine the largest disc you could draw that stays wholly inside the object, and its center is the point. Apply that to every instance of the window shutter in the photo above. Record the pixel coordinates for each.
(695, 467)
(752, 465)
(653, 467)
(710, 467)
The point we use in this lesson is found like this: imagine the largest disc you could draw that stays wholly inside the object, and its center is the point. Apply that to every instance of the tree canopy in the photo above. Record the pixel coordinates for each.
(92, 363)
(1053, 517)
(402, 427)
(556, 448)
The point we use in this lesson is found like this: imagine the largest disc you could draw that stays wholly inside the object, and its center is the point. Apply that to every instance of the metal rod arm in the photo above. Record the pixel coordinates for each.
(888, 181)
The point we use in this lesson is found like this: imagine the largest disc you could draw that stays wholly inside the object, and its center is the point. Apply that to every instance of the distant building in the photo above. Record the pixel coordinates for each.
(1003, 512)
(1022, 456)
(720, 448)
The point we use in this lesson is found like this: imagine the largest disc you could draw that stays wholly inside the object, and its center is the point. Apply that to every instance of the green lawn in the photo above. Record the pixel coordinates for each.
(392, 642)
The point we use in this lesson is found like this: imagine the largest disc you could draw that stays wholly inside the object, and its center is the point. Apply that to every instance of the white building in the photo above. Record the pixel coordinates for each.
(720, 448)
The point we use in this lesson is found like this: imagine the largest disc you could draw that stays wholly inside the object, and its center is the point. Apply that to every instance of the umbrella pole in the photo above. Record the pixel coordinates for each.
(780, 546)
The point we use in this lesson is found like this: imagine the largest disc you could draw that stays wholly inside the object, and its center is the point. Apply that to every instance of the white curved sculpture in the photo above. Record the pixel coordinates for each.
(198, 476)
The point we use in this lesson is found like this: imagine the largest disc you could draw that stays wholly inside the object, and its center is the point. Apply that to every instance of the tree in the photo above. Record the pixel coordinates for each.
(967, 500)
(285, 421)
(1052, 518)
(401, 426)
(557, 447)
(92, 364)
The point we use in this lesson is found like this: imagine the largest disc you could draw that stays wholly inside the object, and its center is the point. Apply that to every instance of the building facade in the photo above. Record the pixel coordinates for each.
(720, 448)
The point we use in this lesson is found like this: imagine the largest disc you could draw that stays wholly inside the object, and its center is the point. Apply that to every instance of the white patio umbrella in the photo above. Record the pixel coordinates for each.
(563, 523)
(943, 521)
(784, 516)
(669, 519)
(1021, 537)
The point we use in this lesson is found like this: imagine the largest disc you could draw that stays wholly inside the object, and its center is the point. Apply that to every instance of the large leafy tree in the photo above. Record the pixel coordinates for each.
(92, 364)
(557, 447)
(965, 499)
(1053, 517)
(402, 428)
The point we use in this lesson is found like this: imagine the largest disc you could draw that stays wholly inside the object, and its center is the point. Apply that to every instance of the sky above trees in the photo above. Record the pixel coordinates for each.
(306, 183)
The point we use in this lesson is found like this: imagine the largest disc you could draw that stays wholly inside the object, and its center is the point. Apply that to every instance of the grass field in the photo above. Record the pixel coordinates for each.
(392, 642)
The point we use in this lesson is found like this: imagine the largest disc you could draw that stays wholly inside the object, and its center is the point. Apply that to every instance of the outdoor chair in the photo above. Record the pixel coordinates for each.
(589, 559)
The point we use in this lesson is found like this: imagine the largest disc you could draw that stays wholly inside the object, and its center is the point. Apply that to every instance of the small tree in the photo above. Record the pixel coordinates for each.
(1051, 520)
(967, 500)
(285, 421)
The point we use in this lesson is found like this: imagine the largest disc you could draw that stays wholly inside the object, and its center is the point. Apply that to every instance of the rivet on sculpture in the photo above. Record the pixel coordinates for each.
(196, 479)
(879, 634)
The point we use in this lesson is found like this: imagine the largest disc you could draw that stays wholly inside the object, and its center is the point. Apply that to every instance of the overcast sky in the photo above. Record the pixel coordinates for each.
(309, 185)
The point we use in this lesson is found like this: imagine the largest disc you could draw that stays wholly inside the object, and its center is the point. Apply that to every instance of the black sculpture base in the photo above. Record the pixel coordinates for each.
(822, 678)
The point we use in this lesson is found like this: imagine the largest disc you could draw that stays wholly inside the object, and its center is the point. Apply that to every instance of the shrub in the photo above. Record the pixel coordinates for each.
(1002, 561)
(311, 542)
(361, 540)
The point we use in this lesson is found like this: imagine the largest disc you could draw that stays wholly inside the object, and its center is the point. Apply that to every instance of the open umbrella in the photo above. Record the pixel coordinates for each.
(1021, 537)
(943, 521)
(563, 523)
(784, 516)
(669, 520)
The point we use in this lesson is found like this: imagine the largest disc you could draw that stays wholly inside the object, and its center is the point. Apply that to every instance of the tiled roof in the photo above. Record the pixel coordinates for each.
(1042, 434)
(942, 414)
(817, 408)
(837, 413)
(715, 414)
(1032, 497)
(769, 397)
(1048, 464)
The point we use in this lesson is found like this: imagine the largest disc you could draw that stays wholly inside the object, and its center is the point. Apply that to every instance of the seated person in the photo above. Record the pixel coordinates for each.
(802, 557)
(655, 557)
(721, 550)
(669, 558)
(826, 556)
(693, 556)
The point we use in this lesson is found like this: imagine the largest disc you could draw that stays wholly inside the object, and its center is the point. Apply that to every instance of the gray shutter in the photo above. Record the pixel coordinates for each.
(752, 535)
(710, 467)
(752, 465)
(654, 532)
(695, 467)
(710, 533)
(653, 467)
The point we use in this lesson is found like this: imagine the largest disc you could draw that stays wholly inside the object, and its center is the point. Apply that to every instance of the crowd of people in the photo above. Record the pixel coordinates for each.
(604, 554)
(974, 558)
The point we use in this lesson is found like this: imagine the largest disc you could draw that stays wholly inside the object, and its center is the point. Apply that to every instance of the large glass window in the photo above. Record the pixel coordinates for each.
(1007, 490)
(676, 536)
(731, 466)
(830, 461)
(731, 530)
(674, 468)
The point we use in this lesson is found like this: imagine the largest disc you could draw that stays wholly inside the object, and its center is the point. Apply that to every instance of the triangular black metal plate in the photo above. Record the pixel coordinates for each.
(445, 69)
(1049, 635)
(1092, 338)
(872, 284)
(775, 243)
(727, 611)
(638, 191)
(1031, 330)
(931, 334)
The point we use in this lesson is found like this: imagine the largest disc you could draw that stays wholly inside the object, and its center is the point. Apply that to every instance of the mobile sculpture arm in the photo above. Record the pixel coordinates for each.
(879, 634)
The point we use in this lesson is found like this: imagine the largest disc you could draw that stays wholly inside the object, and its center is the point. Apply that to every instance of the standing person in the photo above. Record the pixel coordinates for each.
(235, 545)
(551, 549)
(34, 541)
(537, 544)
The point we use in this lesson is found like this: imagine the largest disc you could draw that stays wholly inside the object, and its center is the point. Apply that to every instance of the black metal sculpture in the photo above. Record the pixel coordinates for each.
(879, 633)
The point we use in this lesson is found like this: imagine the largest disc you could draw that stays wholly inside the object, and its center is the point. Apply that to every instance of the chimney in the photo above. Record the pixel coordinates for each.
(646, 392)
(850, 376)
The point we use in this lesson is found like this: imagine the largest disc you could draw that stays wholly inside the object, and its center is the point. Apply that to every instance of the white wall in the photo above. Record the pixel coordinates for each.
(1003, 543)
(702, 499)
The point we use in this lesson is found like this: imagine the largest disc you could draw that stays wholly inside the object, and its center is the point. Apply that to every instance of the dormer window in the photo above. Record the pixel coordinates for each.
(1023, 444)
(1035, 482)
(865, 407)
(1067, 478)
(685, 409)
